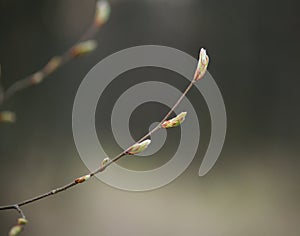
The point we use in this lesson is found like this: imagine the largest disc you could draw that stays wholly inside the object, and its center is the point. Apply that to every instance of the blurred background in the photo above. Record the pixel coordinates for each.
(254, 187)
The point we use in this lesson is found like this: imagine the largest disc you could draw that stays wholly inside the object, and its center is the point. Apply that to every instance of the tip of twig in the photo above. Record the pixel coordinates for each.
(17, 229)
(202, 65)
(102, 13)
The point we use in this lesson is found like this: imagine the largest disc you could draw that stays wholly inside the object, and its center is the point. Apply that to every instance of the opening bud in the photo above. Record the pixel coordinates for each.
(102, 13)
(83, 48)
(16, 230)
(138, 147)
(175, 121)
(202, 65)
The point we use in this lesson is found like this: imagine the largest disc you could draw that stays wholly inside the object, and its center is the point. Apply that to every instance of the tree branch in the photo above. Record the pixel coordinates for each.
(81, 47)
(77, 50)
(102, 167)
(108, 162)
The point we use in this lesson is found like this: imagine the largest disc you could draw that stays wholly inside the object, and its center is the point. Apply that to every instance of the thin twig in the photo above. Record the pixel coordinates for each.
(101, 15)
(20, 211)
(49, 68)
(81, 47)
(102, 167)
(199, 74)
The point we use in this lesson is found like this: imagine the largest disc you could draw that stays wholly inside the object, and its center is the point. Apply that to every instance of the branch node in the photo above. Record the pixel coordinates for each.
(82, 179)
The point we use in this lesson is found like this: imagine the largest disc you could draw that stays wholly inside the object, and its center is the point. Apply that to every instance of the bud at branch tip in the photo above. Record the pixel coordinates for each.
(102, 13)
(202, 65)
(17, 229)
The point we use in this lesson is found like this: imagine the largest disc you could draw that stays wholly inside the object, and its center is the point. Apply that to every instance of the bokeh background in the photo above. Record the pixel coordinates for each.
(254, 187)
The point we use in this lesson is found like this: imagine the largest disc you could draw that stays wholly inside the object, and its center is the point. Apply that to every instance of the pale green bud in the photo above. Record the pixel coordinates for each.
(202, 65)
(139, 147)
(15, 230)
(102, 13)
(22, 221)
(175, 121)
(83, 48)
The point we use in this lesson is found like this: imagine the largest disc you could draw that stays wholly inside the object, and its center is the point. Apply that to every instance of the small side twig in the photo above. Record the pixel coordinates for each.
(83, 46)
(21, 222)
